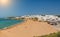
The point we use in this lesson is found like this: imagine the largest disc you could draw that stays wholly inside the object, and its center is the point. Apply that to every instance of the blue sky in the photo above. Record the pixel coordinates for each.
(31, 7)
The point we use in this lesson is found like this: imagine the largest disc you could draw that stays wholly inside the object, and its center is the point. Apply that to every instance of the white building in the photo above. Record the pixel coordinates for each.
(44, 18)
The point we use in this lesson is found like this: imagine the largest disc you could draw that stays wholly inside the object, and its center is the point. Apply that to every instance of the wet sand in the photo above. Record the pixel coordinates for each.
(28, 28)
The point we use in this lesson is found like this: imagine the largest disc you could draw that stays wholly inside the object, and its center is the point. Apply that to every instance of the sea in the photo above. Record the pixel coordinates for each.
(7, 23)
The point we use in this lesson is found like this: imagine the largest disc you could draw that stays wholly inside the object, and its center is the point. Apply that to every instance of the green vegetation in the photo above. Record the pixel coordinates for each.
(35, 19)
(58, 15)
(52, 35)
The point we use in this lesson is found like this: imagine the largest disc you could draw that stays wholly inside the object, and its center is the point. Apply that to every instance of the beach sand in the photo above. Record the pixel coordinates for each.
(28, 28)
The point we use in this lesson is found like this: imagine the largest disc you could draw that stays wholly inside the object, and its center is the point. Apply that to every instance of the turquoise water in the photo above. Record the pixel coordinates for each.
(8, 23)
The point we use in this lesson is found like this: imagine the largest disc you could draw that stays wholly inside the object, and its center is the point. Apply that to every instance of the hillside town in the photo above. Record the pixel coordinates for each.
(42, 17)
(49, 18)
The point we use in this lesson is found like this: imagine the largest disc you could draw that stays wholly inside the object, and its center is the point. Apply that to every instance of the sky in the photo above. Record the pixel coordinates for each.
(30, 7)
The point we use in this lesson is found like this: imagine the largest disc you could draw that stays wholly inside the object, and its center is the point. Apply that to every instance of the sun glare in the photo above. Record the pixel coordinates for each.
(4, 2)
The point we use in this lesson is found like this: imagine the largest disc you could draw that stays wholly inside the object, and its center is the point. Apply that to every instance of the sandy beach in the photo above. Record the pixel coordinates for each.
(28, 28)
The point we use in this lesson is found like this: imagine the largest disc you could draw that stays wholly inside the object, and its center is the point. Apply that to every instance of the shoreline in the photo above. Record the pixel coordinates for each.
(12, 26)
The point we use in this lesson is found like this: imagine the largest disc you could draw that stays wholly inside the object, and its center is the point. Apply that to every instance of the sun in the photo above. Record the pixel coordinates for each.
(4, 2)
